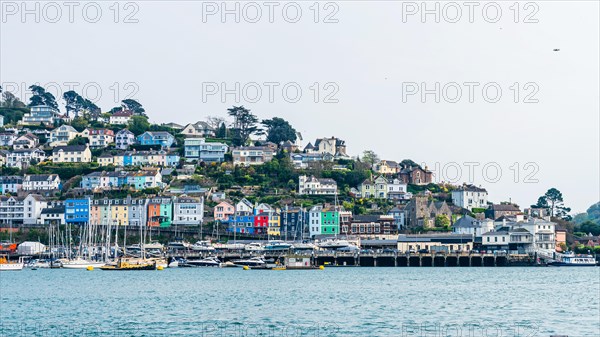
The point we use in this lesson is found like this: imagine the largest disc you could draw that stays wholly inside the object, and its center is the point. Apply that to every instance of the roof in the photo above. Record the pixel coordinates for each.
(124, 113)
(500, 232)
(465, 222)
(54, 210)
(441, 238)
(41, 177)
(505, 207)
(124, 131)
(70, 148)
(471, 188)
(365, 218)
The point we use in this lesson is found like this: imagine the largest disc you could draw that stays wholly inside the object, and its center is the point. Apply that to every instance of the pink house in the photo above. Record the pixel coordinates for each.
(223, 210)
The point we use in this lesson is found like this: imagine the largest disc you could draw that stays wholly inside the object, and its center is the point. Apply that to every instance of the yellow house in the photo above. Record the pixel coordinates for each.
(119, 212)
(106, 160)
(72, 154)
(387, 167)
(274, 224)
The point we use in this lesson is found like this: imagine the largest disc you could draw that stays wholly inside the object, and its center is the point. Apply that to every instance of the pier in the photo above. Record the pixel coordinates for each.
(377, 259)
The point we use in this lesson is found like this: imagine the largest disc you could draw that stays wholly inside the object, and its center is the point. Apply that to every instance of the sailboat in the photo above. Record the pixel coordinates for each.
(79, 262)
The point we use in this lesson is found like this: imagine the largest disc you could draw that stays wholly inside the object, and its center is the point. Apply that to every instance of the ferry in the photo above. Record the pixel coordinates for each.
(572, 260)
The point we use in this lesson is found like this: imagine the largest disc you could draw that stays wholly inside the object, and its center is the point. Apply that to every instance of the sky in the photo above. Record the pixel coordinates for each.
(499, 95)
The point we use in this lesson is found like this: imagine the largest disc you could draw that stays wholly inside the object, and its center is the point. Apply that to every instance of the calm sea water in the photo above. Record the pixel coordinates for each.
(330, 302)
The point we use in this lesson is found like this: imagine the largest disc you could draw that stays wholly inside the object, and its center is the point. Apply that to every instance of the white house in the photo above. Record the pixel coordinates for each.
(41, 182)
(62, 135)
(98, 138)
(470, 225)
(123, 139)
(53, 215)
(72, 154)
(7, 138)
(188, 211)
(469, 197)
(23, 158)
(244, 208)
(10, 184)
(198, 129)
(26, 141)
(314, 220)
(33, 204)
(316, 186)
(120, 117)
(252, 155)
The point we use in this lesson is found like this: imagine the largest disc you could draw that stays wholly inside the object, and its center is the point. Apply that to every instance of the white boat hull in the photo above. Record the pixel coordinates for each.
(11, 266)
(82, 264)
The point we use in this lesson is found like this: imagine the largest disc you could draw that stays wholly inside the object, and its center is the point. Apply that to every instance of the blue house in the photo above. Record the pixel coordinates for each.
(294, 222)
(77, 211)
(241, 224)
(161, 138)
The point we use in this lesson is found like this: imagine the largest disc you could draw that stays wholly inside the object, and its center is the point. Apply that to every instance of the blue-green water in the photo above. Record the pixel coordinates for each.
(331, 302)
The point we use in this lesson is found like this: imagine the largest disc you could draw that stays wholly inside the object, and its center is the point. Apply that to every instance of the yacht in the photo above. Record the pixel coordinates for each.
(179, 245)
(203, 246)
(251, 262)
(304, 246)
(572, 260)
(206, 262)
(333, 244)
(229, 246)
(278, 245)
(254, 247)
(80, 263)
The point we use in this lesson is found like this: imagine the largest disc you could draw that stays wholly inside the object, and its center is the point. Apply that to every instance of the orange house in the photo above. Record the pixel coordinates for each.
(153, 215)
(561, 237)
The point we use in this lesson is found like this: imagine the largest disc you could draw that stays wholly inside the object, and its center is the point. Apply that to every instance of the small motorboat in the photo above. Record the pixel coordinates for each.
(206, 262)
(251, 262)
(333, 244)
(278, 245)
(254, 247)
(203, 246)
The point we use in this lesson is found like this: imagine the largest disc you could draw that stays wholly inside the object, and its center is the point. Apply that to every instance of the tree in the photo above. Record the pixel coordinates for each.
(279, 130)
(79, 123)
(442, 221)
(221, 131)
(42, 97)
(588, 227)
(78, 140)
(215, 122)
(553, 201)
(244, 124)
(370, 157)
(134, 106)
(138, 125)
(10, 100)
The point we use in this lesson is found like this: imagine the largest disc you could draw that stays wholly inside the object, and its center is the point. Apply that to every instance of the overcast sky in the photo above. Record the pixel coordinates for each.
(371, 62)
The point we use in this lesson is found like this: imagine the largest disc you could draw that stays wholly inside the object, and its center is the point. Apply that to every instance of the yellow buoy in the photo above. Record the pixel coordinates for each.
(159, 268)
(246, 268)
(321, 267)
(90, 268)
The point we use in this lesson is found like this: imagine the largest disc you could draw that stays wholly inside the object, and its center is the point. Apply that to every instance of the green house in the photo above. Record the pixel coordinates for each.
(330, 222)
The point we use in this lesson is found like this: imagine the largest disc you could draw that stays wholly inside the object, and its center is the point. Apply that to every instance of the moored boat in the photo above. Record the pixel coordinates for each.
(80, 263)
(278, 245)
(131, 264)
(7, 265)
(206, 262)
(333, 244)
(574, 260)
(203, 246)
(254, 247)
(251, 262)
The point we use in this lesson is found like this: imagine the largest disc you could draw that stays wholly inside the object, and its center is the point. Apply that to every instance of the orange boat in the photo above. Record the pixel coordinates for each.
(8, 247)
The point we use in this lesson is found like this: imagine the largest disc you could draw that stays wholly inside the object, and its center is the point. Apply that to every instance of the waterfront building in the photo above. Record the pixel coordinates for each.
(435, 242)
(293, 223)
(472, 226)
(188, 211)
(323, 221)
(160, 212)
(137, 212)
(54, 215)
(11, 210)
(33, 204)
(316, 186)
(199, 150)
(77, 211)
(469, 197)
(72, 154)
(369, 225)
